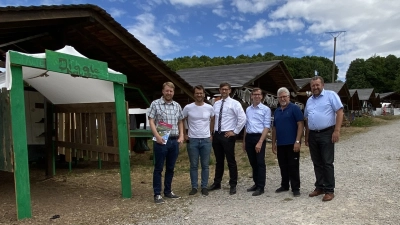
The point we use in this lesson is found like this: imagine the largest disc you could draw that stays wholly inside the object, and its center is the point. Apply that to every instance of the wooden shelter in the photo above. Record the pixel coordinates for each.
(368, 98)
(354, 101)
(95, 34)
(390, 97)
(304, 91)
(81, 116)
(269, 76)
(342, 90)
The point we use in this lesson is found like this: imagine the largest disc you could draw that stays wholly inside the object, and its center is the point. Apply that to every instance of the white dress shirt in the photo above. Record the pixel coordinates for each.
(233, 116)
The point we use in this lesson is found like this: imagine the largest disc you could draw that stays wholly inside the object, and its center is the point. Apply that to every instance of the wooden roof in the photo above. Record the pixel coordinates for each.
(95, 34)
(390, 97)
(269, 76)
(354, 102)
(302, 83)
(368, 94)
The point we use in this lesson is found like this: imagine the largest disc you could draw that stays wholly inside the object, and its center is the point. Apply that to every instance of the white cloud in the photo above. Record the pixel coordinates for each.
(194, 2)
(305, 50)
(177, 18)
(199, 38)
(220, 12)
(229, 46)
(226, 25)
(259, 30)
(146, 32)
(172, 31)
(115, 13)
(370, 25)
(222, 26)
(252, 6)
(290, 25)
(221, 37)
(240, 18)
(304, 41)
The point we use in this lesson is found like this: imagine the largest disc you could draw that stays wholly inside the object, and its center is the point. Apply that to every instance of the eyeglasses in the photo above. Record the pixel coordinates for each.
(257, 94)
(283, 97)
(224, 89)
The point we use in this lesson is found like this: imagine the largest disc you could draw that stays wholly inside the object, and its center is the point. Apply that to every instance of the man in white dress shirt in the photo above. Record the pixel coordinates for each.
(229, 121)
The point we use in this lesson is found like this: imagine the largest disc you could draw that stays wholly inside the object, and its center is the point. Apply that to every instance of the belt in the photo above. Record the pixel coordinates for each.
(323, 130)
(173, 137)
(255, 134)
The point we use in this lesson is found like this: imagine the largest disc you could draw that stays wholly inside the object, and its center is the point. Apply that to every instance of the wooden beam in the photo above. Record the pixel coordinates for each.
(23, 39)
(18, 124)
(123, 145)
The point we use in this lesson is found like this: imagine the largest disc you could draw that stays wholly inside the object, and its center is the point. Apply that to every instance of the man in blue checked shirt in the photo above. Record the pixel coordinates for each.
(324, 115)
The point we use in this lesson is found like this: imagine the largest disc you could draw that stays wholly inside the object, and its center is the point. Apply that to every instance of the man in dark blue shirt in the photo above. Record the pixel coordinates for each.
(286, 140)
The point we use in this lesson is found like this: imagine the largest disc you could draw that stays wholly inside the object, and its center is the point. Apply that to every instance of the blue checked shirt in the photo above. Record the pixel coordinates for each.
(167, 112)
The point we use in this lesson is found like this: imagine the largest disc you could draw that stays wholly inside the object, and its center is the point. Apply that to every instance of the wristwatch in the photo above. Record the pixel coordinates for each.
(297, 142)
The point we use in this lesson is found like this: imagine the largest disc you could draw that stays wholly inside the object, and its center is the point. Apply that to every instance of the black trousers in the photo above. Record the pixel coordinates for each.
(322, 152)
(290, 167)
(257, 160)
(224, 147)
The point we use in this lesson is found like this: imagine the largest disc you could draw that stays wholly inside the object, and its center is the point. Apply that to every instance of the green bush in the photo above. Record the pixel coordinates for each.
(364, 121)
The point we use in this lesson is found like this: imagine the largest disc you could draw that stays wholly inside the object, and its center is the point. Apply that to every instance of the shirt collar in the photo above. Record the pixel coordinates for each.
(164, 102)
(322, 93)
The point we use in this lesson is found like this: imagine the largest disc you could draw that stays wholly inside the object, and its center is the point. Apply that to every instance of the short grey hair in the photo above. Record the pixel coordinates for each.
(283, 89)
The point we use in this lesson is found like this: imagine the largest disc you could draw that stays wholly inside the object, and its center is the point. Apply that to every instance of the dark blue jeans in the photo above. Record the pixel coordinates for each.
(257, 160)
(322, 152)
(168, 153)
(199, 147)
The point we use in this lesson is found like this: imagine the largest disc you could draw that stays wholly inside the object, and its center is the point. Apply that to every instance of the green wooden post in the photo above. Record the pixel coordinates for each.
(98, 161)
(18, 124)
(124, 161)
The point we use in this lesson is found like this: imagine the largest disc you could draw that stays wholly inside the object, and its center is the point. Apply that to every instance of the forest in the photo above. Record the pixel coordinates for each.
(380, 73)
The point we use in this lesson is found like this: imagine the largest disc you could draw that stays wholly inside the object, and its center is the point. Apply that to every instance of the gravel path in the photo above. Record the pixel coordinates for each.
(367, 190)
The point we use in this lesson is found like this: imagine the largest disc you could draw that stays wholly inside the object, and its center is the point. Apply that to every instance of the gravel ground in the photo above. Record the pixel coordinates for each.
(367, 191)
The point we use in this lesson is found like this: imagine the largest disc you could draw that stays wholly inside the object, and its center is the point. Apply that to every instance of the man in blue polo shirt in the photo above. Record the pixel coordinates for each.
(324, 115)
(286, 140)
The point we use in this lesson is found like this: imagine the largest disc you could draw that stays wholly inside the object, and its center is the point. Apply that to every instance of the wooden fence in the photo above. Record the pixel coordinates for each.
(87, 131)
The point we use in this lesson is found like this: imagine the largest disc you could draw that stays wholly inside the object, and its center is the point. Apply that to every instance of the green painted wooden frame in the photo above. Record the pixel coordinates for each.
(80, 67)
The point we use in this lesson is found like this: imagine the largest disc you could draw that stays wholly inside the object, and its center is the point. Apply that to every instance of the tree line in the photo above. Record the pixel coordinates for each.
(304, 67)
(380, 73)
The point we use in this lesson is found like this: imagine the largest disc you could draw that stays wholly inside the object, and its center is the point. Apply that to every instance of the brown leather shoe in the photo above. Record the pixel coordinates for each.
(316, 192)
(328, 197)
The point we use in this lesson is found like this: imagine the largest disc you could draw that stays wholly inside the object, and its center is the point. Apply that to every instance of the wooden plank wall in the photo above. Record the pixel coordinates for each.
(6, 150)
(87, 131)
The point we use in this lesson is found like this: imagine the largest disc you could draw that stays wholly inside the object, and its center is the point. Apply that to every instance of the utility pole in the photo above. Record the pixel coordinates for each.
(334, 34)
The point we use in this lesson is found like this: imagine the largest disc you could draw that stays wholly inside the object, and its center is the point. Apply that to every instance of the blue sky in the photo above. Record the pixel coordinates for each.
(176, 28)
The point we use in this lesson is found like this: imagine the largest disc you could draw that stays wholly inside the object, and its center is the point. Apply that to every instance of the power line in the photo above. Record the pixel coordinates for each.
(334, 34)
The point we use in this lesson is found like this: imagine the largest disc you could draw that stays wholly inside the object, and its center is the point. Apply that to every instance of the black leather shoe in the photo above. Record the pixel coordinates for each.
(214, 187)
(258, 192)
(232, 190)
(281, 189)
(253, 188)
